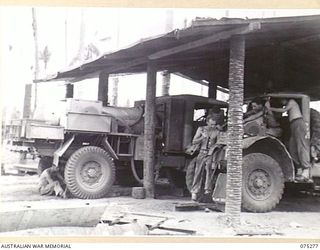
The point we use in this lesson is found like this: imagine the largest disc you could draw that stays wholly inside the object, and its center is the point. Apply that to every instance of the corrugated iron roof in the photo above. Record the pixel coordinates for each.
(283, 54)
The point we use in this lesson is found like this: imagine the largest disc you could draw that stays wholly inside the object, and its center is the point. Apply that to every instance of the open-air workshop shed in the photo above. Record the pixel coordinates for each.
(263, 55)
(283, 54)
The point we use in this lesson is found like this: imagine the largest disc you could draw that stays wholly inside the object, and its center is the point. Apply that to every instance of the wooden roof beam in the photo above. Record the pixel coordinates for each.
(205, 41)
(118, 67)
(302, 40)
(228, 21)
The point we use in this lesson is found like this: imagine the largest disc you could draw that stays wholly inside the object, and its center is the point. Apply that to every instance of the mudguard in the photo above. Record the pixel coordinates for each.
(274, 148)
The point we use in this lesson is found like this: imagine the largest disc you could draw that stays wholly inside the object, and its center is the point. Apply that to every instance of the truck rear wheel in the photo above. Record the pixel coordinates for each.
(263, 183)
(89, 173)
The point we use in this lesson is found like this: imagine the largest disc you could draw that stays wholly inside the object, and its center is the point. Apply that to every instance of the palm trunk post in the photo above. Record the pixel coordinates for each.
(235, 131)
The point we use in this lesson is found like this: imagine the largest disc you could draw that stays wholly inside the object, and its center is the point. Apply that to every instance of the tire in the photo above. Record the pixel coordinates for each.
(44, 163)
(262, 183)
(89, 173)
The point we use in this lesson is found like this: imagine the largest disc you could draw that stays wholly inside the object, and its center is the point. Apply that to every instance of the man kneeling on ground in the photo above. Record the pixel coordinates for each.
(50, 182)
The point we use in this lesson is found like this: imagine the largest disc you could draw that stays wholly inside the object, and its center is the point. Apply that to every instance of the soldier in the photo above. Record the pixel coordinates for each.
(255, 110)
(49, 182)
(298, 143)
(205, 137)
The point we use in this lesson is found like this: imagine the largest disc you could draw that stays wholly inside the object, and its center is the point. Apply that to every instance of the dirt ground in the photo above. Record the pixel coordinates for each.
(297, 216)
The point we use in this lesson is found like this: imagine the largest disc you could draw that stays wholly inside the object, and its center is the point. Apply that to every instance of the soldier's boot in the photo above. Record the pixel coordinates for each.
(303, 175)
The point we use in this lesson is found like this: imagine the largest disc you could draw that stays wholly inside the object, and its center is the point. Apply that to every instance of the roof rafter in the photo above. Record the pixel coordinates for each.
(205, 41)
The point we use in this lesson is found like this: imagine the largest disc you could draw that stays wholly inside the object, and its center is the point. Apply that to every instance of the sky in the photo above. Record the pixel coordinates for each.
(108, 29)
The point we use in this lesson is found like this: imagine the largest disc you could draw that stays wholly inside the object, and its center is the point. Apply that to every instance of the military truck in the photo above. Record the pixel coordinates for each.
(96, 146)
(267, 163)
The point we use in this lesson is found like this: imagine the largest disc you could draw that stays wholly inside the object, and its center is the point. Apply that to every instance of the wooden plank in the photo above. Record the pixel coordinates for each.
(29, 217)
(229, 21)
(98, 68)
(119, 67)
(205, 41)
(153, 224)
(307, 39)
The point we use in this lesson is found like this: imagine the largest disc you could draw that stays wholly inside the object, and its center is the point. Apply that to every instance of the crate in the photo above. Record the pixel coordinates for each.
(44, 131)
(86, 122)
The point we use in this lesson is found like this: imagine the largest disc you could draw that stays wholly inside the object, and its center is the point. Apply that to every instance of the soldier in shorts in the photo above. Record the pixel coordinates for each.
(298, 144)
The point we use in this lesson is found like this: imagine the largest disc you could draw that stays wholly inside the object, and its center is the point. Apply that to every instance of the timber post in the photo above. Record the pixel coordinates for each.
(212, 90)
(149, 131)
(27, 101)
(103, 88)
(165, 82)
(235, 130)
(69, 90)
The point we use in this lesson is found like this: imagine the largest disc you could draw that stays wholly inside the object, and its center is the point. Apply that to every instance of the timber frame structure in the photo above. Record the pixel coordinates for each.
(280, 54)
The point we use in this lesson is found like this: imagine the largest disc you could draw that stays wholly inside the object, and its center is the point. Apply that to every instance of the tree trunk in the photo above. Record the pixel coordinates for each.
(36, 56)
(79, 58)
(166, 74)
(114, 101)
(149, 131)
(165, 83)
(235, 130)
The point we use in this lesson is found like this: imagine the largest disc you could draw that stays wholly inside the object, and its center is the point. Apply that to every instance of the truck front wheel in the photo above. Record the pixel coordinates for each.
(263, 183)
(89, 173)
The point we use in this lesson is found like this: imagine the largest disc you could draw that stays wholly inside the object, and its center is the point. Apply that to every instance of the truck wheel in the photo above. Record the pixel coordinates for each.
(89, 173)
(44, 163)
(263, 183)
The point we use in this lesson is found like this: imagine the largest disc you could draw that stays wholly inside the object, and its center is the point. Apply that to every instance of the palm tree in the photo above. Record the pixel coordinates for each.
(90, 52)
(36, 53)
(235, 130)
(78, 57)
(45, 56)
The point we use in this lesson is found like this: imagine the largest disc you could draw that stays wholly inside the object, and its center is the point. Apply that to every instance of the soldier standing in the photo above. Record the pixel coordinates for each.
(206, 136)
(298, 143)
